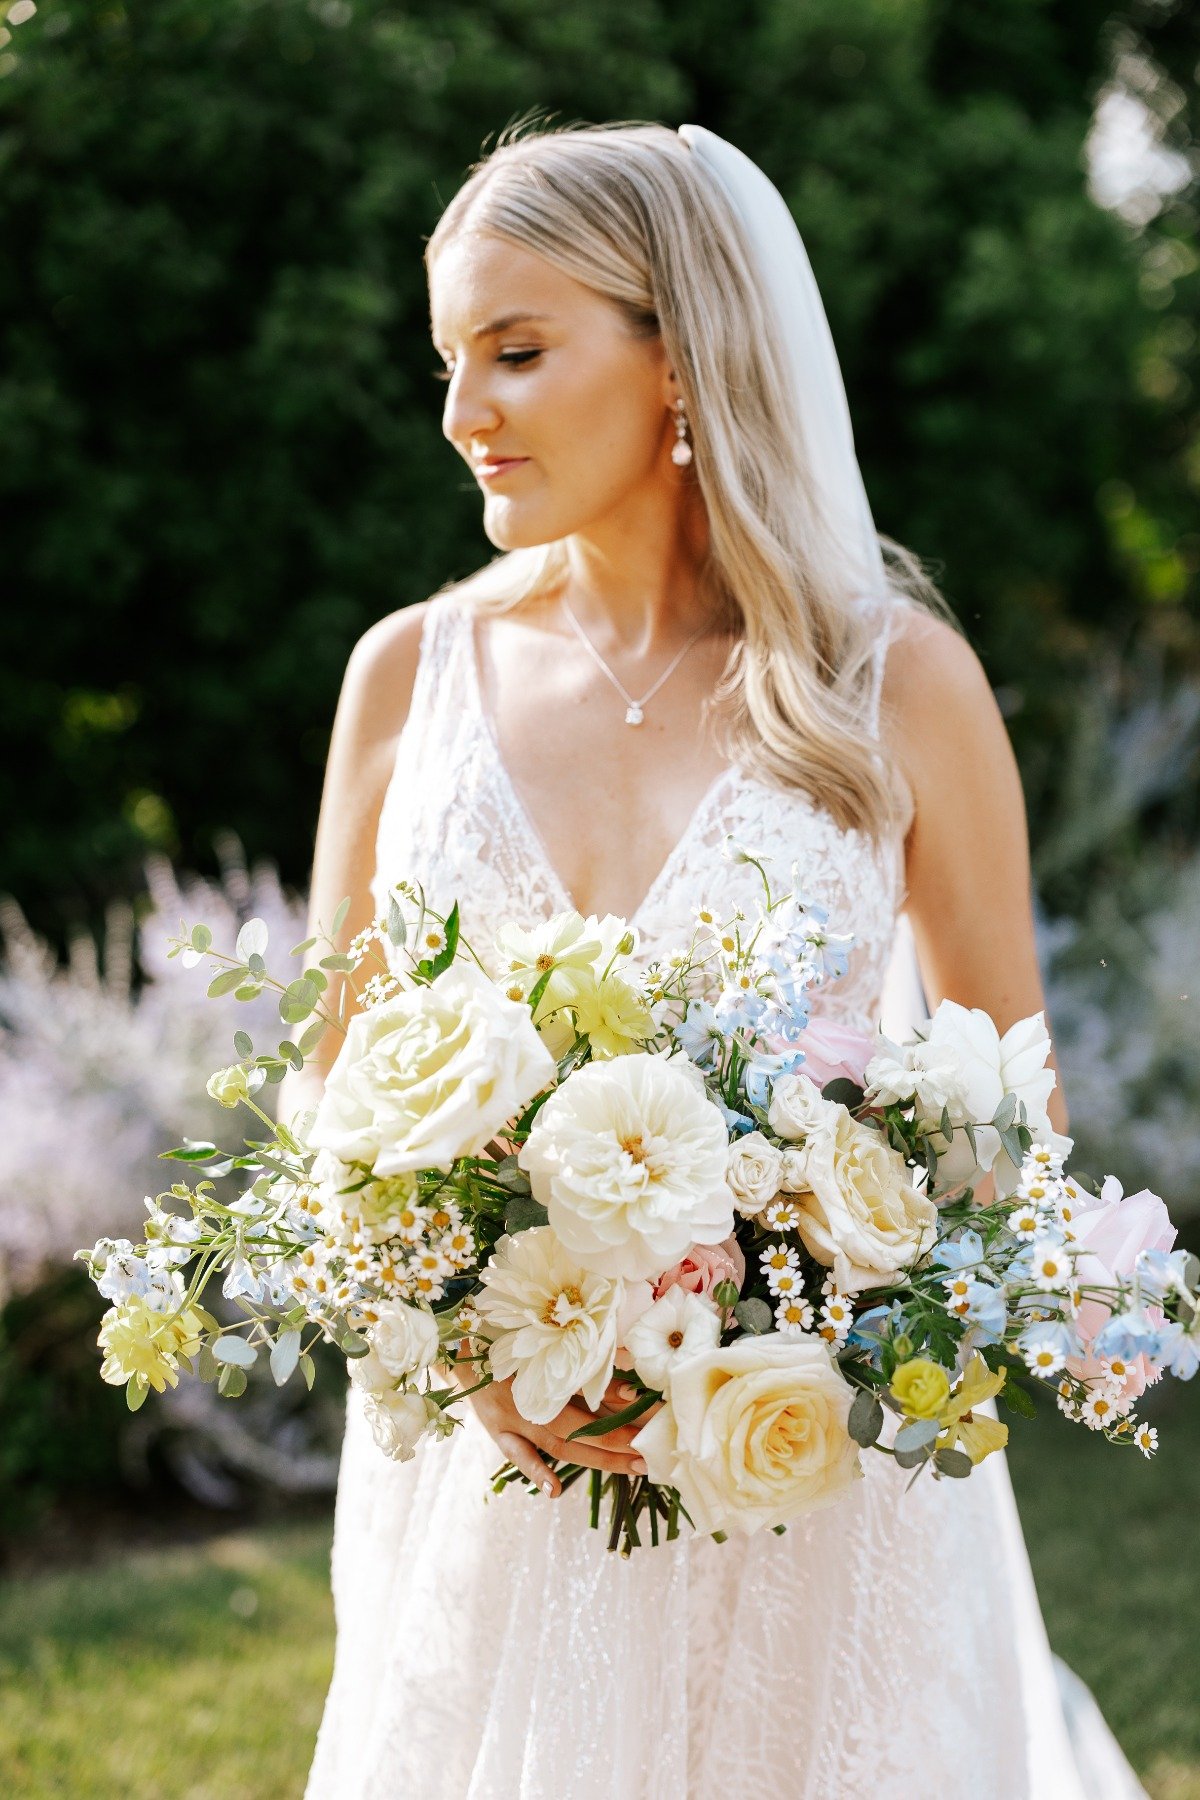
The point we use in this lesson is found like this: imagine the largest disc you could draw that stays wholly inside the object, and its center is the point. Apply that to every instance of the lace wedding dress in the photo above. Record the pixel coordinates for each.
(490, 1648)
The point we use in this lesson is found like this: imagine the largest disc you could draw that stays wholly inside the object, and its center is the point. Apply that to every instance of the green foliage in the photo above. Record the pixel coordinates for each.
(220, 456)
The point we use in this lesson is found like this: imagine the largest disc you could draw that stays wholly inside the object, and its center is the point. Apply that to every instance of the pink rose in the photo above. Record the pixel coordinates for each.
(704, 1268)
(831, 1051)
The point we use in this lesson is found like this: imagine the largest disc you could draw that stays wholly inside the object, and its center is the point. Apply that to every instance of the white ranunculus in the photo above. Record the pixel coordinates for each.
(754, 1172)
(990, 1067)
(431, 1076)
(859, 1214)
(550, 1323)
(797, 1109)
(927, 1073)
(679, 1325)
(753, 1434)
(398, 1422)
(628, 1158)
(404, 1338)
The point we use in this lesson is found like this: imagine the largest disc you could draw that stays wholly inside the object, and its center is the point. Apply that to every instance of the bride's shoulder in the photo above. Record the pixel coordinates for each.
(938, 710)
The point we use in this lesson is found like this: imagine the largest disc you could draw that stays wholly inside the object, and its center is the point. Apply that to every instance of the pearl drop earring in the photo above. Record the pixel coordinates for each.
(681, 450)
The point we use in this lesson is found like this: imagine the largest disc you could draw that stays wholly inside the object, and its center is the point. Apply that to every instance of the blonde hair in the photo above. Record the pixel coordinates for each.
(630, 212)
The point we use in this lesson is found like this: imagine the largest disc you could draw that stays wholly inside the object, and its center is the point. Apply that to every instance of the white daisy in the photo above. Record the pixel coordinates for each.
(784, 1281)
(1146, 1439)
(1100, 1409)
(836, 1318)
(782, 1215)
(1025, 1222)
(1049, 1266)
(779, 1257)
(793, 1315)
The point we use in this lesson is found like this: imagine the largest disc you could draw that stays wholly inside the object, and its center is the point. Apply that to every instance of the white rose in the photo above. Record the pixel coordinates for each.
(859, 1216)
(431, 1076)
(753, 1434)
(754, 1172)
(990, 1067)
(398, 1422)
(797, 1109)
(678, 1326)
(404, 1338)
(551, 1323)
(628, 1158)
(795, 1161)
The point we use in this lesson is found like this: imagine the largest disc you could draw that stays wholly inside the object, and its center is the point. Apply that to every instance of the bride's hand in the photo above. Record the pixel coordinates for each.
(521, 1442)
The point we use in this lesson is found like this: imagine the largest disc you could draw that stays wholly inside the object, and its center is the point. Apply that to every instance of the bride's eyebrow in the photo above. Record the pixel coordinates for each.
(505, 323)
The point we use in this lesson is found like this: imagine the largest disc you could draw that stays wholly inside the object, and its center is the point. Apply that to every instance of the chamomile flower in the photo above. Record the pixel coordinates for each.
(458, 1246)
(1115, 1372)
(782, 1214)
(1050, 1267)
(794, 1315)
(836, 1319)
(778, 1258)
(958, 1293)
(1146, 1439)
(1066, 1398)
(467, 1320)
(784, 1282)
(1100, 1409)
(410, 1223)
(1045, 1348)
(1025, 1222)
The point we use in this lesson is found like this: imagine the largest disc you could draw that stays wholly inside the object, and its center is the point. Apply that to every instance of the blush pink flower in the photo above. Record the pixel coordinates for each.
(1113, 1234)
(704, 1268)
(831, 1051)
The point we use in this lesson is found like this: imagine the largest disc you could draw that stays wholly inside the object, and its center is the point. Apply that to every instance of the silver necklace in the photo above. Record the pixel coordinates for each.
(634, 709)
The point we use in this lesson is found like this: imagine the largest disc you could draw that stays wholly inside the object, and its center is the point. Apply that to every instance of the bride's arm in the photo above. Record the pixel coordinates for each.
(372, 707)
(967, 850)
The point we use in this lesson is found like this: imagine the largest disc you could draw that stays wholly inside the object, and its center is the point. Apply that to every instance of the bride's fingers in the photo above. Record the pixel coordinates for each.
(620, 1438)
(521, 1453)
(586, 1451)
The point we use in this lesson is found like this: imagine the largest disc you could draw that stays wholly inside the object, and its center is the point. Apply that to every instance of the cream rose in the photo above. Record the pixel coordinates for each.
(754, 1172)
(859, 1215)
(431, 1076)
(397, 1422)
(404, 1338)
(754, 1434)
(797, 1109)
(628, 1158)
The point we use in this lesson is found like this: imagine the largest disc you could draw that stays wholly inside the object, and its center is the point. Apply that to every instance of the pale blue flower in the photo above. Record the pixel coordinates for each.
(961, 1251)
(1049, 1334)
(987, 1311)
(763, 1071)
(738, 1122)
(698, 1034)
(1162, 1271)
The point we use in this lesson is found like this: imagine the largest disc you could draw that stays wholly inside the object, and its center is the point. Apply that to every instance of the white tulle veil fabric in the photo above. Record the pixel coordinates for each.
(791, 295)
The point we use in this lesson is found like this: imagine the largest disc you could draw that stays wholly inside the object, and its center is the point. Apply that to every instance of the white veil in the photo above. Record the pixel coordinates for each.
(790, 291)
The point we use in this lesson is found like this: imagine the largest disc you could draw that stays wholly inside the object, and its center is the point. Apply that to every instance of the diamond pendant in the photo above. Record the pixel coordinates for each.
(633, 714)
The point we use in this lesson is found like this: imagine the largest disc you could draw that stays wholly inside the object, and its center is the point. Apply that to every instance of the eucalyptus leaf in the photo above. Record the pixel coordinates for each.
(285, 1354)
(252, 939)
(344, 963)
(754, 1316)
(231, 1382)
(135, 1394)
(352, 1343)
(1005, 1113)
(318, 978)
(299, 949)
(291, 1053)
(243, 1043)
(201, 938)
(866, 1418)
(523, 1212)
(225, 982)
(298, 1000)
(339, 917)
(308, 1369)
(916, 1433)
(912, 1459)
(250, 991)
(396, 928)
(312, 1037)
(235, 1350)
(953, 1462)
(207, 1366)
(843, 1091)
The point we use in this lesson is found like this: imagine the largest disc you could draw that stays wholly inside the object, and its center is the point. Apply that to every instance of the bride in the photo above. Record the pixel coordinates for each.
(694, 631)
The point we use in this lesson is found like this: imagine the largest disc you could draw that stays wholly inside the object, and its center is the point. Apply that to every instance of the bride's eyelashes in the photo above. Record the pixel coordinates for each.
(515, 359)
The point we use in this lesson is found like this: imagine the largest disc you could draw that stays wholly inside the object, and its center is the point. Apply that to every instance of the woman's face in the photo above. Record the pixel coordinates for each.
(562, 413)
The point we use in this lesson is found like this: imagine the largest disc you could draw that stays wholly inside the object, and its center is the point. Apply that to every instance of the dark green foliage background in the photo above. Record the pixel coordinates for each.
(220, 455)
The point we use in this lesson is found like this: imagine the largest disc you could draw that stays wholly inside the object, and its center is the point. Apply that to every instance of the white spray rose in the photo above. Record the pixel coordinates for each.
(677, 1326)
(927, 1073)
(551, 1323)
(753, 1434)
(398, 1422)
(431, 1076)
(754, 1172)
(628, 1158)
(797, 1109)
(859, 1215)
(404, 1338)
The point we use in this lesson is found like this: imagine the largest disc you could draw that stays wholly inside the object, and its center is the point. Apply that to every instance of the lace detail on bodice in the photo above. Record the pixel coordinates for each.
(453, 820)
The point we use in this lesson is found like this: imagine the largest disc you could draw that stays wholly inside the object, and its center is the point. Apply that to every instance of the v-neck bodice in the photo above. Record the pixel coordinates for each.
(453, 820)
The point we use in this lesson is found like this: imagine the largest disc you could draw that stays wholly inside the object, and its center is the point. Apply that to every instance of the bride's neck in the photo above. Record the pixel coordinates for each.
(638, 582)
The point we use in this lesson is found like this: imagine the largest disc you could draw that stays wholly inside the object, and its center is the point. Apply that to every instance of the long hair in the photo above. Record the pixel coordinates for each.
(630, 212)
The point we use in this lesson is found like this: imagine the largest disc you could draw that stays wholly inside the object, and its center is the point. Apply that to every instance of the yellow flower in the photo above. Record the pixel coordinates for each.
(613, 1016)
(146, 1345)
(922, 1388)
(977, 1435)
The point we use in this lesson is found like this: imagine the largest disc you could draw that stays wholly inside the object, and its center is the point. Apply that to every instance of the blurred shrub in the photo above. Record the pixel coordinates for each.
(220, 455)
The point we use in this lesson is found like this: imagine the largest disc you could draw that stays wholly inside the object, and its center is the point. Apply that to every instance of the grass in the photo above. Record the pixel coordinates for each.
(198, 1673)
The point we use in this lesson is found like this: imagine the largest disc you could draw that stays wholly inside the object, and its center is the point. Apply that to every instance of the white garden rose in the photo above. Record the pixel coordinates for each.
(628, 1158)
(929, 1074)
(431, 1076)
(859, 1214)
(677, 1326)
(990, 1067)
(754, 1172)
(404, 1338)
(797, 1109)
(398, 1422)
(550, 1323)
(753, 1434)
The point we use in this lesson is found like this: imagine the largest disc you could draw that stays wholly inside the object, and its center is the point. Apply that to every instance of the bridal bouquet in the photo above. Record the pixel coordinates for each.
(770, 1228)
